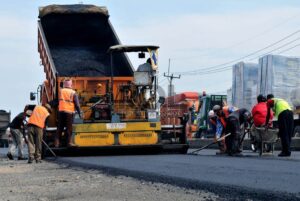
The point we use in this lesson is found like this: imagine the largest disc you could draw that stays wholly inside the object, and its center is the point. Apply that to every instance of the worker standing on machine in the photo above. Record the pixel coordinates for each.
(68, 102)
(35, 126)
(284, 113)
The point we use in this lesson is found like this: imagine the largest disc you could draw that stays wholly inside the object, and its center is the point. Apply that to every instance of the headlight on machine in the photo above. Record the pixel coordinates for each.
(152, 115)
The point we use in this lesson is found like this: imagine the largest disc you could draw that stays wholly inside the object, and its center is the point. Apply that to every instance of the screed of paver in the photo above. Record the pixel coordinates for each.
(50, 181)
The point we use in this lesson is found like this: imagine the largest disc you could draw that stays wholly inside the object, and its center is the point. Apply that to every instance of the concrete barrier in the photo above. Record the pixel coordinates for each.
(197, 143)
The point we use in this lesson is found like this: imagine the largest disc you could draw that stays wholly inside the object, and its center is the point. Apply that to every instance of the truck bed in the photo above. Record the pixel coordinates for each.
(78, 37)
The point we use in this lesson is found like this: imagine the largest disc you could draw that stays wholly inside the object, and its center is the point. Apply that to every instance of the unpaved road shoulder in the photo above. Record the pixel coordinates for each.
(51, 181)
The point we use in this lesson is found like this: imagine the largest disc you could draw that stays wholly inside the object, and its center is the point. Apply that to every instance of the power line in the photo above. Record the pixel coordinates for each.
(276, 48)
(225, 68)
(289, 49)
(241, 58)
(248, 39)
(163, 80)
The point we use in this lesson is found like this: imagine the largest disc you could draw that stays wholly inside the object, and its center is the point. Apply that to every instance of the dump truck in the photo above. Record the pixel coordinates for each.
(4, 123)
(119, 103)
(176, 109)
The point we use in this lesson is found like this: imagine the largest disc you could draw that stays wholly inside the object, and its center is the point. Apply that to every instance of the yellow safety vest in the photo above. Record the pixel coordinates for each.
(280, 105)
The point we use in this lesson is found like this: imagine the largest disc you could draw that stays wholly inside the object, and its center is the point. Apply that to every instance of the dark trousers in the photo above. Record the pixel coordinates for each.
(233, 140)
(286, 126)
(65, 120)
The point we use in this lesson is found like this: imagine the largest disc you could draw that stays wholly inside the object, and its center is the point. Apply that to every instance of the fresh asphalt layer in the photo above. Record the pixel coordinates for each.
(233, 178)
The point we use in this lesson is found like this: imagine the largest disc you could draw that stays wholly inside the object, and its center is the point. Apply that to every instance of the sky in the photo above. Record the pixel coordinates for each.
(193, 35)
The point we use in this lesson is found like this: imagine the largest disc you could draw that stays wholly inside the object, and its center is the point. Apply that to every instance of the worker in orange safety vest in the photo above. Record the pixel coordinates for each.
(35, 126)
(222, 114)
(68, 102)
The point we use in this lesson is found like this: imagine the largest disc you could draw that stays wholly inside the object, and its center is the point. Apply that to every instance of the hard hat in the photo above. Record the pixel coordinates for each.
(216, 108)
(67, 83)
(99, 85)
(48, 107)
(211, 114)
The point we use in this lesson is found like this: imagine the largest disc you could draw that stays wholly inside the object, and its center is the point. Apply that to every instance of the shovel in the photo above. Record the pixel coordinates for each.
(204, 147)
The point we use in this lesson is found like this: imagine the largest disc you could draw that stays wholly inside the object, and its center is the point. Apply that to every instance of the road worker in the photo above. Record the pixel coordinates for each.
(218, 129)
(68, 102)
(35, 126)
(233, 126)
(259, 114)
(222, 114)
(224, 111)
(283, 112)
(16, 130)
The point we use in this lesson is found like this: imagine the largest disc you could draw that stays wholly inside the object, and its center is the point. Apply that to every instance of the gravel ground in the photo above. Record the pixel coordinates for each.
(51, 181)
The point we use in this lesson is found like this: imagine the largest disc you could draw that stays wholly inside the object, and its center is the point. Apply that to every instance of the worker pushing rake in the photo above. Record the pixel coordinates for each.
(231, 143)
(206, 146)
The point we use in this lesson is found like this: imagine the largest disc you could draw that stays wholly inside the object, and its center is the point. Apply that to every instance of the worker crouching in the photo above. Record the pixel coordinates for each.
(222, 114)
(234, 122)
(68, 102)
(36, 124)
(218, 129)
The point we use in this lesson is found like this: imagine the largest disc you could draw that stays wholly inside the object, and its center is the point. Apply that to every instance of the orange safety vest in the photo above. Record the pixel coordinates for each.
(39, 116)
(223, 121)
(226, 110)
(66, 100)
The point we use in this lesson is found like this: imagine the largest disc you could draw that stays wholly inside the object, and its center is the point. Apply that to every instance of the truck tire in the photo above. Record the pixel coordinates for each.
(297, 131)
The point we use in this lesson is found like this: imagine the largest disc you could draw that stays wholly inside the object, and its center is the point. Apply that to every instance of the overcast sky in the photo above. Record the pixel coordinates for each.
(194, 34)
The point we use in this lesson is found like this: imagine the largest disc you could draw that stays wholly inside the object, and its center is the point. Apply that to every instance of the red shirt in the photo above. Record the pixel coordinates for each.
(259, 113)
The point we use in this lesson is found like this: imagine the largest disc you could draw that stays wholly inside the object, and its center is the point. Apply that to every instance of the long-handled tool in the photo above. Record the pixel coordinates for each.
(52, 152)
(99, 101)
(204, 147)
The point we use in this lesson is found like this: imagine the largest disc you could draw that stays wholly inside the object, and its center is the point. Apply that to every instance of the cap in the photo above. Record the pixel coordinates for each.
(211, 114)
(67, 83)
(216, 108)
(261, 98)
(270, 96)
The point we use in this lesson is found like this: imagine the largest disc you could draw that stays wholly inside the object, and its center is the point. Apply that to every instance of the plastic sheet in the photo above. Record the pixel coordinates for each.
(279, 75)
(244, 85)
(229, 97)
(295, 97)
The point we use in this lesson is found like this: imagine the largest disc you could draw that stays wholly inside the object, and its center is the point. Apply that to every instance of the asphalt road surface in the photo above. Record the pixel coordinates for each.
(238, 178)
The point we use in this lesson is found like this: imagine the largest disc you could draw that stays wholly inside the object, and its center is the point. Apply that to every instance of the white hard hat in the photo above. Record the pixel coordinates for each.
(211, 114)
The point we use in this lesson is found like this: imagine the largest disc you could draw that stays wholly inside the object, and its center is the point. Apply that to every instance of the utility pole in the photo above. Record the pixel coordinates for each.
(170, 79)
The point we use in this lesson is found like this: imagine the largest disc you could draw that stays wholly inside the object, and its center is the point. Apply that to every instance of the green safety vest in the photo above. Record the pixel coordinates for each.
(280, 106)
